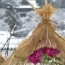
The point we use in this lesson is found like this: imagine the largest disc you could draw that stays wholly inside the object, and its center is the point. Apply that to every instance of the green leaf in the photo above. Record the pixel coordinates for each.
(49, 59)
(58, 58)
(57, 63)
(44, 58)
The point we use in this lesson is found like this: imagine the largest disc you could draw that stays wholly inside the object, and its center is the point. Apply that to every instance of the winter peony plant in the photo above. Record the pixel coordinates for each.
(45, 55)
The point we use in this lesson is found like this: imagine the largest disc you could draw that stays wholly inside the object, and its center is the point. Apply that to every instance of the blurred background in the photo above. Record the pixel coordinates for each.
(18, 19)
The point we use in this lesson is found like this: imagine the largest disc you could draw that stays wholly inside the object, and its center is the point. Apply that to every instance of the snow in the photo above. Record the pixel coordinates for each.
(2, 13)
(33, 2)
(61, 33)
(4, 35)
(59, 19)
(14, 42)
(24, 29)
(27, 6)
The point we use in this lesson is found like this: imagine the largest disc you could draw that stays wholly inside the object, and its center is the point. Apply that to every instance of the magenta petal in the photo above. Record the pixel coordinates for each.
(50, 52)
(44, 49)
(34, 58)
(57, 51)
(38, 53)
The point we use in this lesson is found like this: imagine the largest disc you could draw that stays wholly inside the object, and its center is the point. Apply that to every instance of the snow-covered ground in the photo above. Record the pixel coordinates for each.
(4, 35)
(13, 43)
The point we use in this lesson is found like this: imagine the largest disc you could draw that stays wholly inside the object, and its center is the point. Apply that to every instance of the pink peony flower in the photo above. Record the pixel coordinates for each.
(38, 53)
(52, 52)
(57, 51)
(44, 49)
(36, 56)
(34, 59)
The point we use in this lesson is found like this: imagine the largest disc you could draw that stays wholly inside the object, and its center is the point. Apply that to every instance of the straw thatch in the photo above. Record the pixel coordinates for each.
(1, 59)
(43, 35)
